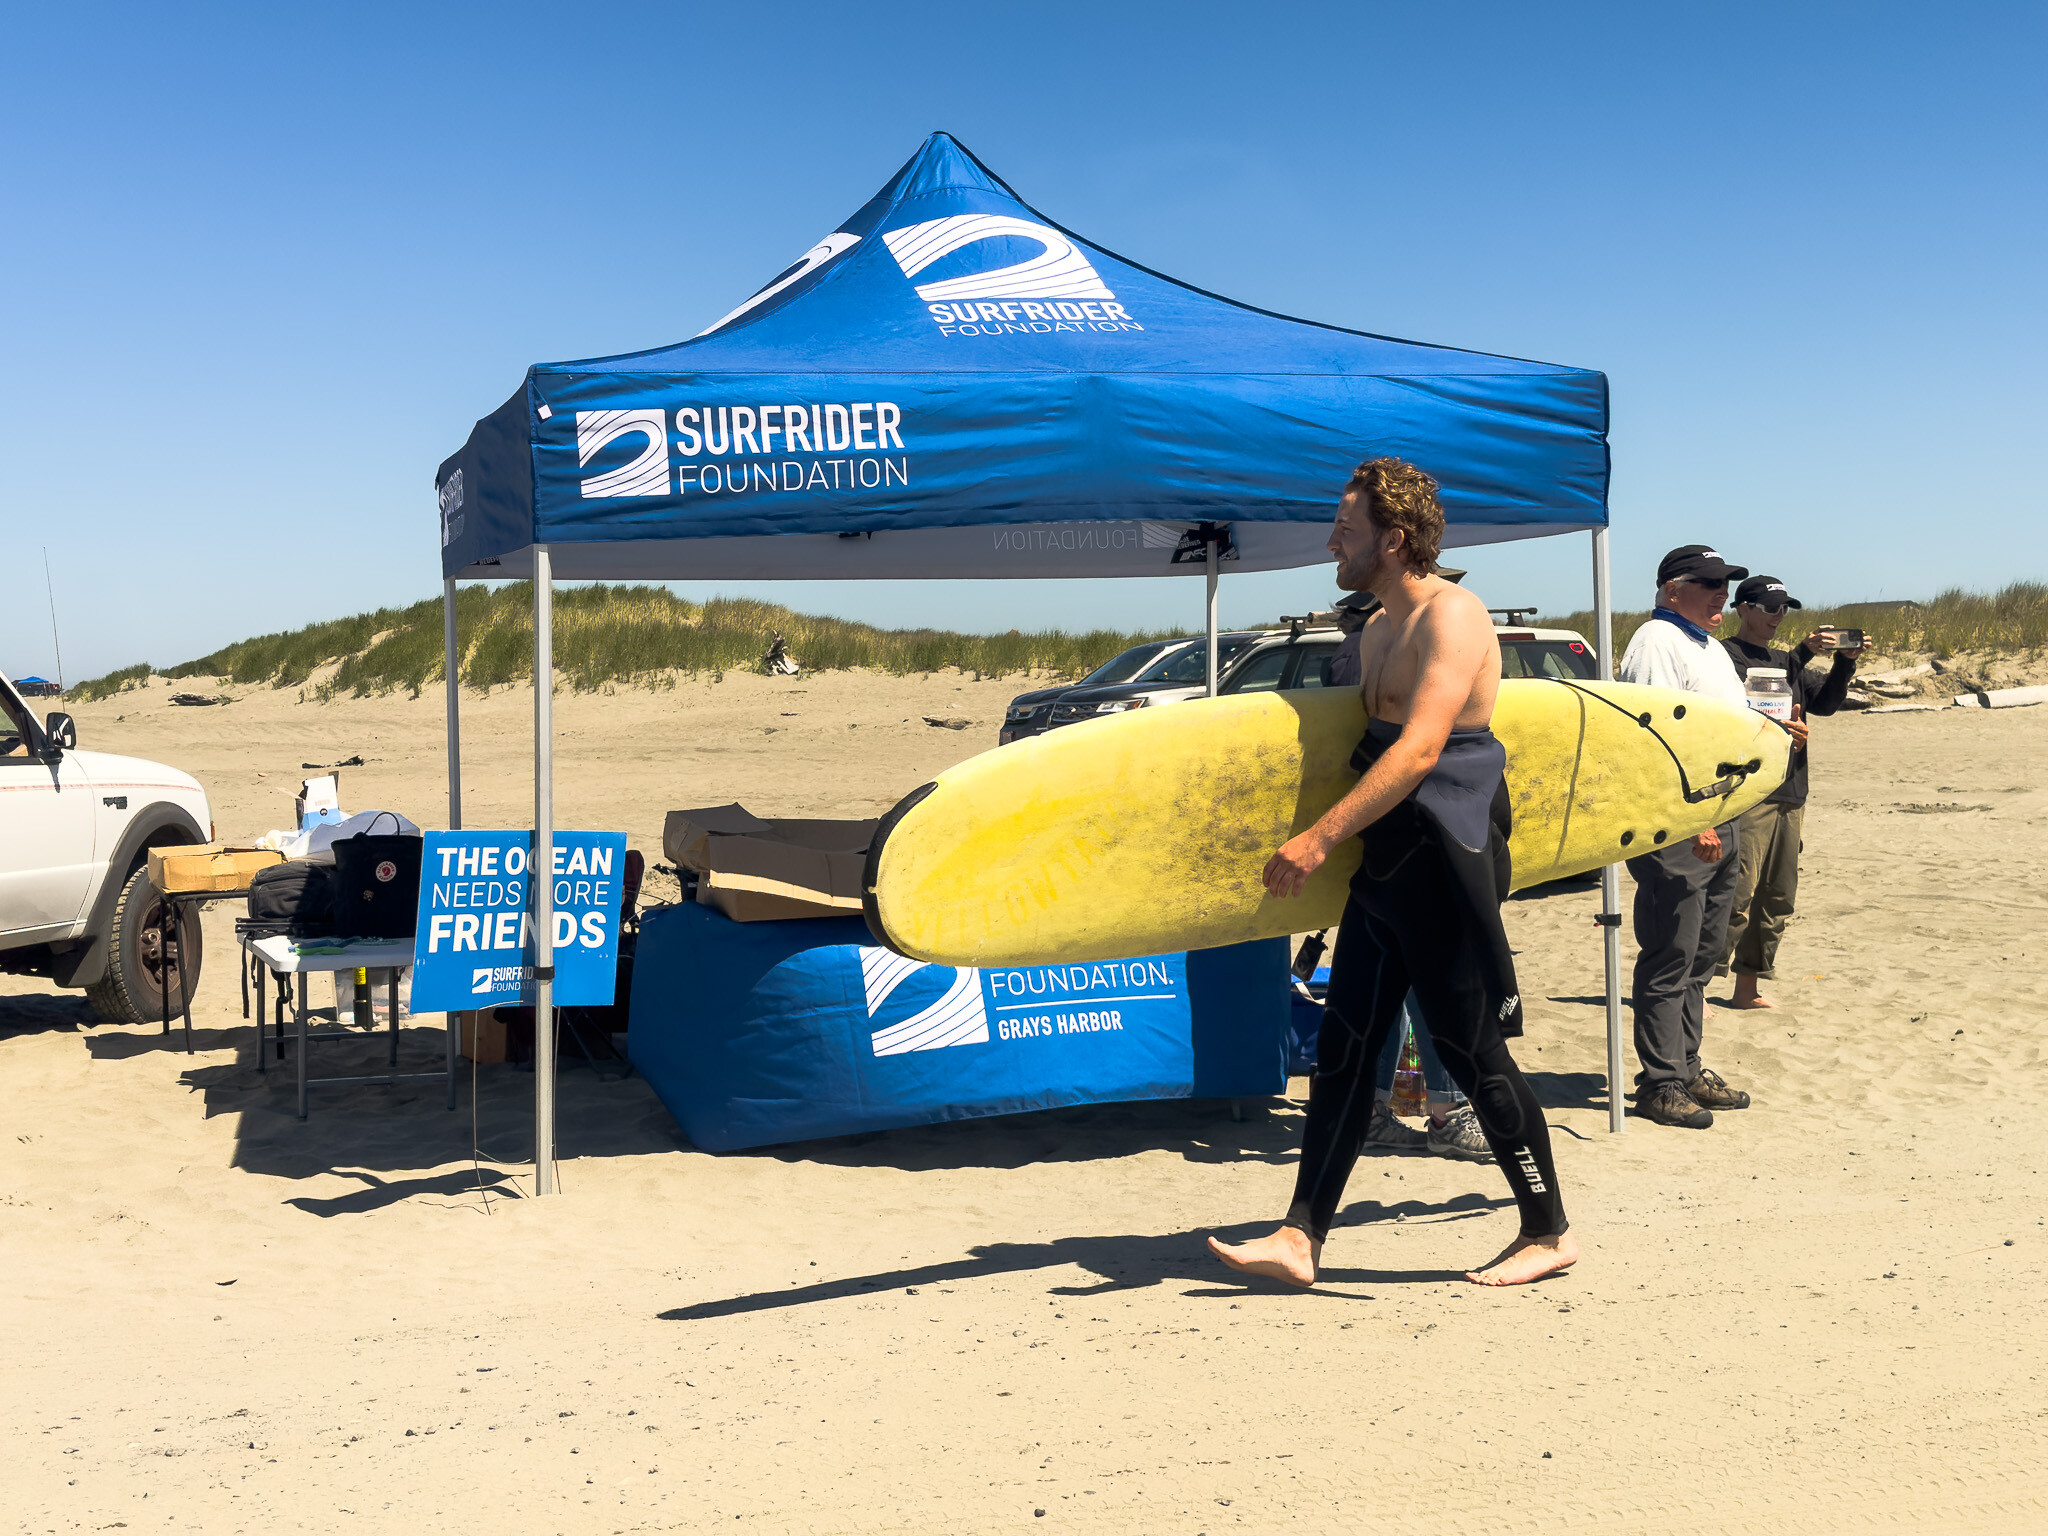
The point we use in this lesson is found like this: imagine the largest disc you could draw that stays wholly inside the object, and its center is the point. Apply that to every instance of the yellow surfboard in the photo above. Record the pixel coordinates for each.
(1146, 832)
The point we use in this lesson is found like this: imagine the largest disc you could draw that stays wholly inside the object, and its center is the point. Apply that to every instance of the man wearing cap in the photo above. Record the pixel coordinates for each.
(1767, 872)
(1685, 894)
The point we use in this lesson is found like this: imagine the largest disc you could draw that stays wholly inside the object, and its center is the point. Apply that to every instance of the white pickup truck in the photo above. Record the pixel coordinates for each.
(76, 904)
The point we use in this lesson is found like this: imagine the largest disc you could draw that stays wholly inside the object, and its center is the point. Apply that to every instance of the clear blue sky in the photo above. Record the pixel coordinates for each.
(265, 265)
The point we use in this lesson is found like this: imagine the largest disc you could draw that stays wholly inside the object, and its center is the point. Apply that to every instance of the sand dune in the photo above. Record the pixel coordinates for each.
(1826, 1314)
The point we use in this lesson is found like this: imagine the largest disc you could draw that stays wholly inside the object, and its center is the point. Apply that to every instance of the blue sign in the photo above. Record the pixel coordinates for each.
(759, 1033)
(474, 944)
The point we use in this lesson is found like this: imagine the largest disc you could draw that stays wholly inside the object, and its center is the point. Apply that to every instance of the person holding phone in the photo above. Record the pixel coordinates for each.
(1767, 869)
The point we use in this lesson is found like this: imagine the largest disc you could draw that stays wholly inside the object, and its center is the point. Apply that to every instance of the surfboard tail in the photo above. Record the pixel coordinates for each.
(870, 874)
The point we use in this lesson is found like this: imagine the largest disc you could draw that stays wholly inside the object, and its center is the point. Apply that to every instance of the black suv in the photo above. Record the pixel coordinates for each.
(1030, 713)
(1180, 671)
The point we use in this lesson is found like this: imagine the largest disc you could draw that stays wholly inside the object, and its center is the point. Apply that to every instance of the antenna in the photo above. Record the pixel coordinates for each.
(52, 590)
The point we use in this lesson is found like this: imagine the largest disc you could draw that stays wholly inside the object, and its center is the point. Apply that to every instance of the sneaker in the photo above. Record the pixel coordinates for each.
(1386, 1130)
(1460, 1136)
(1709, 1091)
(1668, 1103)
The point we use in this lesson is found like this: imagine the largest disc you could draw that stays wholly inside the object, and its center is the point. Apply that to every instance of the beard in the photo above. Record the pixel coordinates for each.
(1358, 578)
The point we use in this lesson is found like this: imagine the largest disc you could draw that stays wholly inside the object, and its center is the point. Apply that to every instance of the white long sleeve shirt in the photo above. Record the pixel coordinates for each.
(1662, 655)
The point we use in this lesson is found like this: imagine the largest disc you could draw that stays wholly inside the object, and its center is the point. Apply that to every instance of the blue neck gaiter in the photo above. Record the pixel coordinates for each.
(1673, 616)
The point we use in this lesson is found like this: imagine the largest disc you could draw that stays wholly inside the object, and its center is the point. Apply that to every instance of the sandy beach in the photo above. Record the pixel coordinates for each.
(1826, 1314)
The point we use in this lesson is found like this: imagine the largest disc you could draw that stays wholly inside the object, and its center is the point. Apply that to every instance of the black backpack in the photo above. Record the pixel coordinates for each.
(377, 883)
(294, 898)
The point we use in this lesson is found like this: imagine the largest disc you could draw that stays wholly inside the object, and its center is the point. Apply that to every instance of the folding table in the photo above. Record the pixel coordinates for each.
(282, 958)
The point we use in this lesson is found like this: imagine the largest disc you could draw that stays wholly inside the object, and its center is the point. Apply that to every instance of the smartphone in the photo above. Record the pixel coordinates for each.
(1849, 639)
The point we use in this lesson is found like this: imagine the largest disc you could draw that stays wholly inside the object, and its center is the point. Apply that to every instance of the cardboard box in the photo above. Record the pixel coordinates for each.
(484, 1037)
(208, 866)
(758, 870)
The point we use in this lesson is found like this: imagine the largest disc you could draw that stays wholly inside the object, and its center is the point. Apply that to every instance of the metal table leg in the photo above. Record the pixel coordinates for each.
(391, 997)
(301, 1053)
(184, 982)
(453, 1032)
(163, 959)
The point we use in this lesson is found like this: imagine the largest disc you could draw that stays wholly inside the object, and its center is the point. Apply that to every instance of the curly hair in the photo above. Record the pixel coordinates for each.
(1398, 495)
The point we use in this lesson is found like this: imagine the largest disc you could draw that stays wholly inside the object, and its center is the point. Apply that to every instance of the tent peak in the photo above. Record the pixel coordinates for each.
(942, 163)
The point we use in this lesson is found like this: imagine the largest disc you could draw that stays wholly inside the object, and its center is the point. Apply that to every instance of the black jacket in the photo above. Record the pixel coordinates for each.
(1821, 696)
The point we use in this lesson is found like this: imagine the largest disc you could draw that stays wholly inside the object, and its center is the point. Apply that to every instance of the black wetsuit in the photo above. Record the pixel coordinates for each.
(1425, 913)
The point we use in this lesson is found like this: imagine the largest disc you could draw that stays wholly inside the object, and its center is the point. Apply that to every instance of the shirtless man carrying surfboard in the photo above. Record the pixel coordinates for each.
(1431, 808)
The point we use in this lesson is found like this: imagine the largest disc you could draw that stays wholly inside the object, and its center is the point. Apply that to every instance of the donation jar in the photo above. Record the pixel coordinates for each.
(1769, 693)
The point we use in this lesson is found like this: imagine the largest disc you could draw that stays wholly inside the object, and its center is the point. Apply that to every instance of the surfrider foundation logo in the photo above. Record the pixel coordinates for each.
(1056, 290)
(646, 474)
(959, 1017)
(451, 509)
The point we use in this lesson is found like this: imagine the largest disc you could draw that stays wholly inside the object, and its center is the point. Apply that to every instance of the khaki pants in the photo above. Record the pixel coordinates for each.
(1681, 917)
(1766, 884)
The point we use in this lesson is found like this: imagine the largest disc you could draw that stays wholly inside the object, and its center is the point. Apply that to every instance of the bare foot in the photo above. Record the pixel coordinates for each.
(1747, 996)
(1528, 1258)
(1290, 1254)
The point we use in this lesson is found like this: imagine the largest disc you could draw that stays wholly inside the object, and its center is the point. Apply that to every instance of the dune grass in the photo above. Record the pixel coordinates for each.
(608, 636)
(105, 687)
(2013, 619)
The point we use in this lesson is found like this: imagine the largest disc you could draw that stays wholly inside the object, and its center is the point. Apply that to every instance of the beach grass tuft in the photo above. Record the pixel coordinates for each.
(106, 687)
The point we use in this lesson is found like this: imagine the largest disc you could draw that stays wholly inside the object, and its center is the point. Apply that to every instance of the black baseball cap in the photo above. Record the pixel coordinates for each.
(1767, 592)
(1697, 562)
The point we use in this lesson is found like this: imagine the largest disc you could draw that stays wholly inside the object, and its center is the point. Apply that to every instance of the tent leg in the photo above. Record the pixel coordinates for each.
(542, 872)
(1610, 877)
(450, 665)
(1209, 564)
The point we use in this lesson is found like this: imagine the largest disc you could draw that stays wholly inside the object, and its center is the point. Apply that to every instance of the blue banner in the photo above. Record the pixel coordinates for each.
(474, 944)
(759, 1033)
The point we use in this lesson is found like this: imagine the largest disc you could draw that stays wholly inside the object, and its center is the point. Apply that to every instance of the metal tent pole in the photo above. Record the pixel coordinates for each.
(458, 1021)
(451, 664)
(1209, 565)
(541, 872)
(1610, 876)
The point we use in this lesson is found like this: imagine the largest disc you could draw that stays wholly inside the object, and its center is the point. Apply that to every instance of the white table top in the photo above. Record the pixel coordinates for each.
(366, 954)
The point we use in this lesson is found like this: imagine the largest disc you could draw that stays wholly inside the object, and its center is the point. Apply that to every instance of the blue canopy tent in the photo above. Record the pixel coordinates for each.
(952, 385)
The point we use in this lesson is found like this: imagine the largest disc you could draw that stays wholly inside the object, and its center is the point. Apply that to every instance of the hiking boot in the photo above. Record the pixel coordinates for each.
(1668, 1103)
(1386, 1130)
(1460, 1136)
(1710, 1092)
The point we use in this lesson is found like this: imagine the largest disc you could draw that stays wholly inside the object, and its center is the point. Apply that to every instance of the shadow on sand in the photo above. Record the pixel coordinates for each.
(30, 1013)
(389, 1137)
(1125, 1262)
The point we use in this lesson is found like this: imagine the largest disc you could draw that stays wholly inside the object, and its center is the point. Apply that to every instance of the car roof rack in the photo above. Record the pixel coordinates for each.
(1513, 616)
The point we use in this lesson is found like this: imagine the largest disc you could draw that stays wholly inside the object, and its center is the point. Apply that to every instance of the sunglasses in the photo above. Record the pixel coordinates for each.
(1711, 586)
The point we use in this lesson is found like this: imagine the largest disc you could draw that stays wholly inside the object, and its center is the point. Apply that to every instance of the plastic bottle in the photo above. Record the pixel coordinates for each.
(1769, 693)
(1409, 1097)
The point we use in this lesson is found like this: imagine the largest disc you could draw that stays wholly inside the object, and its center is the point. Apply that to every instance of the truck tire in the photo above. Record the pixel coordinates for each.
(138, 976)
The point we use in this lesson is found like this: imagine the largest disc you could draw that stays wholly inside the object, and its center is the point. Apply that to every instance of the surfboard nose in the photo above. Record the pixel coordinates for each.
(1653, 766)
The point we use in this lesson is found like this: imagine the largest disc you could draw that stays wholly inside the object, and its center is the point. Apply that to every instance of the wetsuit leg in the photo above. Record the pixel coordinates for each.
(1387, 1068)
(1436, 1080)
(1420, 910)
(1477, 1058)
(1361, 1009)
